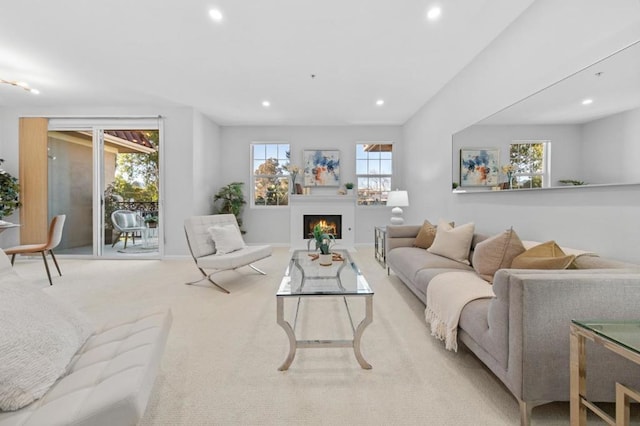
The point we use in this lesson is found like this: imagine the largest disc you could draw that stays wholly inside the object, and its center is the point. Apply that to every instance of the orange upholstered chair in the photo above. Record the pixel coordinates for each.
(55, 235)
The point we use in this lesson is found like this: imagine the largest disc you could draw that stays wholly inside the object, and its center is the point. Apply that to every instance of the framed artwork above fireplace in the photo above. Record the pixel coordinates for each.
(321, 167)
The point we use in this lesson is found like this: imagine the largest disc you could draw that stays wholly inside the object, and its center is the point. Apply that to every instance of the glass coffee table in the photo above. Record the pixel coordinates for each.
(306, 278)
(620, 337)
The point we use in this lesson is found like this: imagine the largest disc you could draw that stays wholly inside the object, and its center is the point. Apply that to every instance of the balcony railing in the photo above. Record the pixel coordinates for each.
(144, 207)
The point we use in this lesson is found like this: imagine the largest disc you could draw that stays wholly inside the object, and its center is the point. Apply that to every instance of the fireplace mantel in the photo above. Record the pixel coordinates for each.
(344, 205)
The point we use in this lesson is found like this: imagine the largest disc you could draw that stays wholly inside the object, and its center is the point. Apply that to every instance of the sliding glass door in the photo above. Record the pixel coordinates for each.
(105, 176)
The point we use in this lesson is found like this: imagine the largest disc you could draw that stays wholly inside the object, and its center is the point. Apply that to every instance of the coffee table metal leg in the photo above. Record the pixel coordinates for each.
(290, 334)
(368, 319)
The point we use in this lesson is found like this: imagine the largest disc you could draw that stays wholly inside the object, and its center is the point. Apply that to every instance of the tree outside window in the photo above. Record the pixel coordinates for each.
(270, 176)
(530, 159)
(374, 169)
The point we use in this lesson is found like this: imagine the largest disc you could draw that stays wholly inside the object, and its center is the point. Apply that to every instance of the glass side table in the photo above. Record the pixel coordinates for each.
(379, 240)
(620, 337)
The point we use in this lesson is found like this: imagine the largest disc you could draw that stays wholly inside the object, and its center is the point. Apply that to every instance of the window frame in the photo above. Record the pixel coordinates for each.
(545, 174)
(284, 174)
(390, 176)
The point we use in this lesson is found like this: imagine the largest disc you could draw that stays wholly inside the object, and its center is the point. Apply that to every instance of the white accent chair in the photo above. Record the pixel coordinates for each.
(127, 222)
(110, 378)
(203, 248)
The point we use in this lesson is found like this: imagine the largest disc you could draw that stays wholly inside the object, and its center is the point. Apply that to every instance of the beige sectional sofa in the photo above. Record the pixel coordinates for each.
(57, 368)
(522, 334)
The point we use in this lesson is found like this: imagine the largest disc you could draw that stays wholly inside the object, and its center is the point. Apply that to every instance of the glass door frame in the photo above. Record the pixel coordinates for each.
(97, 126)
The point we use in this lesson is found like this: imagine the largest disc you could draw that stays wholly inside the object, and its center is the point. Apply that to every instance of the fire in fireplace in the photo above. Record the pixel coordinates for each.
(332, 223)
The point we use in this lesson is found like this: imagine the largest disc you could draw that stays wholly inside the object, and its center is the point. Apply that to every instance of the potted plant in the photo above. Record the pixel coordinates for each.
(349, 187)
(151, 220)
(9, 193)
(231, 201)
(324, 241)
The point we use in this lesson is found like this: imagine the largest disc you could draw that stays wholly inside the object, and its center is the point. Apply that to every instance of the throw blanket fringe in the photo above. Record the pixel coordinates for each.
(447, 295)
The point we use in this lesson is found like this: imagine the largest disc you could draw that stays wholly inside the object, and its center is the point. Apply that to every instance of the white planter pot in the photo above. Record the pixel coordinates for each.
(326, 259)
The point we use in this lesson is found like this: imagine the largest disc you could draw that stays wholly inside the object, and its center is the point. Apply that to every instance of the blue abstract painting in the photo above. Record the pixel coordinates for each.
(479, 166)
(321, 167)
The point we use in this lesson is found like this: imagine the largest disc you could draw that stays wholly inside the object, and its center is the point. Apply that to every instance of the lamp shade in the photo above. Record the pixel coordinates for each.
(398, 199)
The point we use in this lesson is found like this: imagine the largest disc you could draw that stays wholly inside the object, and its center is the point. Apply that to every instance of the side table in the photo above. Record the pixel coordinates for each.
(379, 240)
(620, 337)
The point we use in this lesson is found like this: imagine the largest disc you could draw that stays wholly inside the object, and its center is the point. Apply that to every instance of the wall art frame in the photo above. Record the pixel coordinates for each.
(321, 167)
(479, 166)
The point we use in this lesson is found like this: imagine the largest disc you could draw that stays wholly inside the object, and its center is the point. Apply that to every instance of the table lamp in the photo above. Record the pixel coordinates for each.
(397, 199)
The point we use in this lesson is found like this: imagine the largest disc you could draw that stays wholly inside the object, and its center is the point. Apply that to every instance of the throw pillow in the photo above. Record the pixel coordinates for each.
(425, 236)
(543, 256)
(38, 338)
(227, 238)
(496, 253)
(453, 243)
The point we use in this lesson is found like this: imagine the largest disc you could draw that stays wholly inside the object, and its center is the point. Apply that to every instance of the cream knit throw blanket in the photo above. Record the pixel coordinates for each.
(447, 294)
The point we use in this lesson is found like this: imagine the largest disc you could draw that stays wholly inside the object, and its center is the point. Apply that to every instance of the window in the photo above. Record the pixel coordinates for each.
(270, 180)
(531, 162)
(374, 167)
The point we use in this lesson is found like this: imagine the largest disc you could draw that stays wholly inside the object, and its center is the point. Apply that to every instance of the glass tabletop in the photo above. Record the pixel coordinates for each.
(305, 276)
(625, 333)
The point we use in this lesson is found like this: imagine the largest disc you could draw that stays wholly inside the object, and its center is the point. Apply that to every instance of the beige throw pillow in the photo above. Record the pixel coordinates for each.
(496, 253)
(543, 256)
(425, 236)
(227, 238)
(453, 243)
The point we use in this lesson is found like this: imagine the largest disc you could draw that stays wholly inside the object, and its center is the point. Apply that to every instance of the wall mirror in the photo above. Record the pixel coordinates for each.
(581, 131)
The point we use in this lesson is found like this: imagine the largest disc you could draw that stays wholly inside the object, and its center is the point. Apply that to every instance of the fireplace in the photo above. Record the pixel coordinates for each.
(332, 223)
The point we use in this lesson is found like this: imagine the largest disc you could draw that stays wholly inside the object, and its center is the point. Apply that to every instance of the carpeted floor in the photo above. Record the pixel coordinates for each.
(220, 364)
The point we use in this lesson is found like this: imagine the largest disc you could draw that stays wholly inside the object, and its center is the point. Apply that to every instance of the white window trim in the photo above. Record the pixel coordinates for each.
(392, 177)
(546, 160)
(252, 177)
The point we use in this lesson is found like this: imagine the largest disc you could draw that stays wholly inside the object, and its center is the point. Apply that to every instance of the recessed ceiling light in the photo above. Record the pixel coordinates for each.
(380, 102)
(587, 102)
(266, 104)
(216, 15)
(21, 84)
(434, 13)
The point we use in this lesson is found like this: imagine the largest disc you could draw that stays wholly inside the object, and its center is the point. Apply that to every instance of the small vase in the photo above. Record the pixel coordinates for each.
(326, 259)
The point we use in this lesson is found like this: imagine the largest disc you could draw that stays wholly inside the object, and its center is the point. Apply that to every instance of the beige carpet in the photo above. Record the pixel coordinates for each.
(220, 364)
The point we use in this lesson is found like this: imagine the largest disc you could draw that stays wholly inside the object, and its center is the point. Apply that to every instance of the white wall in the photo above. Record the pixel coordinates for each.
(271, 224)
(613, 142)
(187, 158)
(548, 42)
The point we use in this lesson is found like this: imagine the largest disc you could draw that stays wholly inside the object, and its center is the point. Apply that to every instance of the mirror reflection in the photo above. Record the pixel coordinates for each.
(583, 130)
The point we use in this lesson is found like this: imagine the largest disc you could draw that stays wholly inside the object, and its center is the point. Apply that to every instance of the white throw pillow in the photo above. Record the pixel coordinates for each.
(453, 243)
(227, 238)
(39, 335)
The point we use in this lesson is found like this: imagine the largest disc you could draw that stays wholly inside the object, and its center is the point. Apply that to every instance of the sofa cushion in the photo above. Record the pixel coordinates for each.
(496, 253)
(227, 238)
(543, 256)
(235, 259)
(39, 336)
(425, 236)
(453, 243)
(110, 378)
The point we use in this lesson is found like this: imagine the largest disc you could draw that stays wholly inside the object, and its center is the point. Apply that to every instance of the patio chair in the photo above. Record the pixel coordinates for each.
(127, 222)
(55, 235)
(205, 254)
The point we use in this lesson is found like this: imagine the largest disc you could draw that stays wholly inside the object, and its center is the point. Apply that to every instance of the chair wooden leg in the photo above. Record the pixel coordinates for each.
(126, 237)
(116, 239)
(46, 265)
(55, 262)
(13, 258)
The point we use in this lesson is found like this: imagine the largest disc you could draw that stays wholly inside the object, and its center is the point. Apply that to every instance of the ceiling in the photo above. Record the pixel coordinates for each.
(169, 53)
(611, 84)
